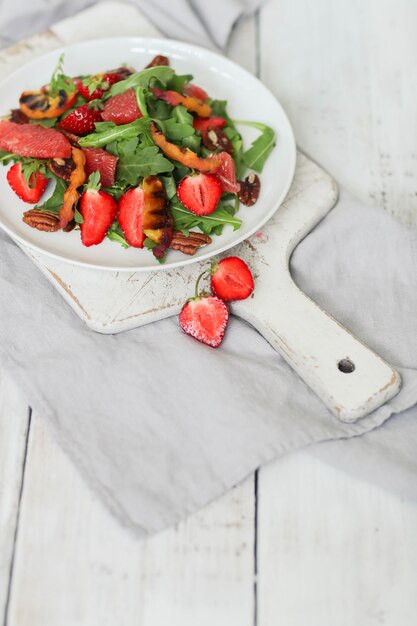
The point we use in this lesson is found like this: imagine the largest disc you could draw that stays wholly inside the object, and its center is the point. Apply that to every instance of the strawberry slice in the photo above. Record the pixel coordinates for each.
(226, 174)
(131, 205)
(93, 87)
(189, 89)
(200, 193)
(98, 209)
(205, 318)
(122, 108)
(202, 124)
(31, 193)
(81, 121)
(231, 279)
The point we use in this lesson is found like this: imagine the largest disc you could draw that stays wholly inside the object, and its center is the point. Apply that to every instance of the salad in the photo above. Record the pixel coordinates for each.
(144, 158)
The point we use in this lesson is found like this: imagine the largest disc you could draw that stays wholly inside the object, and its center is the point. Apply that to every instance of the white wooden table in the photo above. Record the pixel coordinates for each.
(300, 542)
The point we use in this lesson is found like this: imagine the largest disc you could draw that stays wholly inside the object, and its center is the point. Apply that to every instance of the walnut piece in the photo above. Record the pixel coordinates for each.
(249, 189)
(189, 245)
(215, 138)
(42, 220)
(157, 61)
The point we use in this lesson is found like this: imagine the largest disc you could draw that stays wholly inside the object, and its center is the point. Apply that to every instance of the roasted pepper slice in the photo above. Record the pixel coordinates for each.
(38, 105)
(192, 104)
(71, 195)
(156, 219)
(184, 155)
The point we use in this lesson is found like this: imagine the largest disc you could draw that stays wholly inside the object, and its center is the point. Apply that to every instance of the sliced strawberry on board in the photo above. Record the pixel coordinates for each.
(31, 193)
(99, 160)
(231, 279)
(98, 209)
(189, 89)
(200, 193)
(205, 318)
(226, 174)
(122, 108)
(131, 206)
(202, 124)
(81, 121)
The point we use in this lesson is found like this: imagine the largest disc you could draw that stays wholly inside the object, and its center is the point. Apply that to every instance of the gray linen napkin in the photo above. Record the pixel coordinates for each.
(159, 424)
(197, 21)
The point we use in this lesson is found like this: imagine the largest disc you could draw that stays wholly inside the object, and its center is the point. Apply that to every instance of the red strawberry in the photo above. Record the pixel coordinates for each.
(122, 108)
(231, 279)
(200, 193)
(205, 318)
(131, 206)
(227, 173)
(201, 124)
(194, 91)
(98, 209)
(81, 121)
(93, 87)
(27, 193)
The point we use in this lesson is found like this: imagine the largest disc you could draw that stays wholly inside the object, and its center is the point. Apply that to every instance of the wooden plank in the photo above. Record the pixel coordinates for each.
(343, 72)
(74, 564)
(14, 419)
(333, 550)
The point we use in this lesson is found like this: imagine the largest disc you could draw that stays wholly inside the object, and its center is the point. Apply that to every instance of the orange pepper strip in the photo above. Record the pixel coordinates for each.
(71, 195)
(184, 155)
(195, 105)
(37, 105)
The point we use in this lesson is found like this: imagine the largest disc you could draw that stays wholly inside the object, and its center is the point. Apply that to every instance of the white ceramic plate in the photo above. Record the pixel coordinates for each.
(248, 99)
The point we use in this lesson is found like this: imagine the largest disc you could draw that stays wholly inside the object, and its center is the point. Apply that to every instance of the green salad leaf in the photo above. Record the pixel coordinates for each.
(115, 233)
(135, 161)
(108, 132)
(161, 73)
(54, 203)
(214, 223)
(59, 81)
(261, 148)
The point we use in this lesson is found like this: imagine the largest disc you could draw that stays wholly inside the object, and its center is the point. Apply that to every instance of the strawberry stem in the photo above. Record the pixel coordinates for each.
(198, 282)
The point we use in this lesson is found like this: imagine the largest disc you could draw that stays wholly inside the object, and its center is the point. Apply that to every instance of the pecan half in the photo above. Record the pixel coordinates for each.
(215, 138)
(189, 245)
(158, 60)
(17, 116)
(249, 189)
(42, 220)
(62, 168)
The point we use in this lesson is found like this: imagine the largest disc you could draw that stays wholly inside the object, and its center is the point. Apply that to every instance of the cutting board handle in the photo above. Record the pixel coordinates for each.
(349, 377)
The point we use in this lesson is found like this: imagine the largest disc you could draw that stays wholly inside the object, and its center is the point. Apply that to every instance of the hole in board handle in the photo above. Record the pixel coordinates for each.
(346, 366)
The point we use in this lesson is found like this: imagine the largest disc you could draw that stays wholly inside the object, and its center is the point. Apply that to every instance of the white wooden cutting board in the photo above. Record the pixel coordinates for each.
(346, 375)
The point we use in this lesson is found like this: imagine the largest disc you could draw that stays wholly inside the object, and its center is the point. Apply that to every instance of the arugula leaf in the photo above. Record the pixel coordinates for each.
(162, 73)
(115, 233)
(31, 167)
(176, 83)
(108, 132)
(219, 108)
(193, 142)
(46, 123)
(261, 148)
(59, 81)
(141, 100)
(158, 108)
(237, 142)
(78, 218)
(135, 161)
(176, 131)
(7, 157)
(214, 223)
(169, 184)
(55, 202)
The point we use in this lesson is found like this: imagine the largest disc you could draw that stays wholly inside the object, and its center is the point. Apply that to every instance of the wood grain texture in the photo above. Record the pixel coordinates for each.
(75, 565)
(332, 550)
(14, 420)
(343, 72)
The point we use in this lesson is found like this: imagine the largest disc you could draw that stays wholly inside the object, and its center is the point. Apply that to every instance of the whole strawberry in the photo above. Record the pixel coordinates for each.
(205, 317)
(82, 120)
(231, 279)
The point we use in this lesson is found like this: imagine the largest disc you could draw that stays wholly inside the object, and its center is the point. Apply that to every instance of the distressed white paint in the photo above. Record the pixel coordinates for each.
(14, 417)
(333, 551)
(75, 566)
